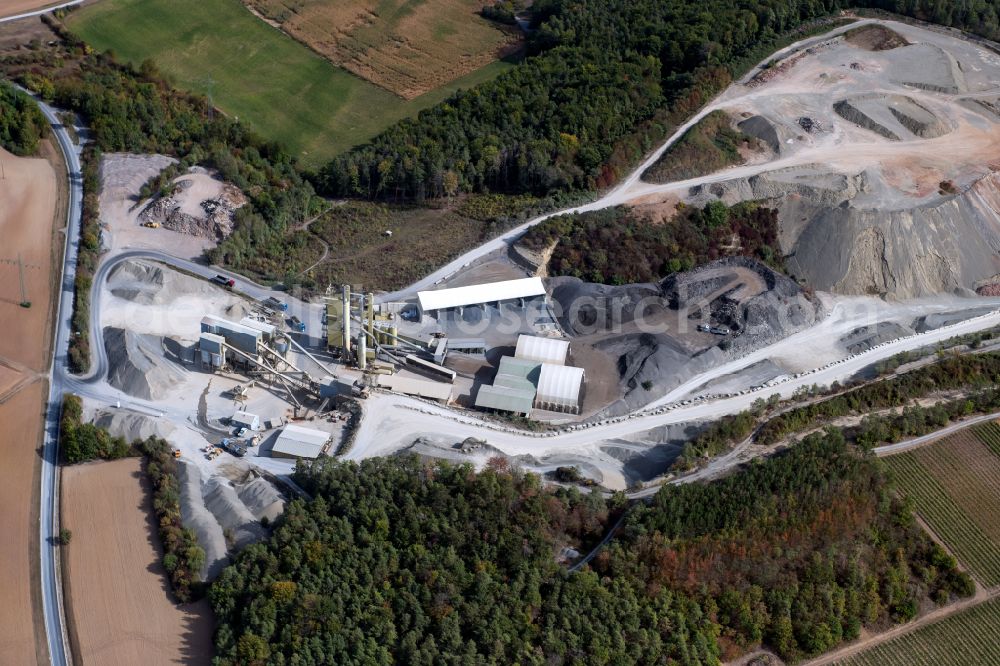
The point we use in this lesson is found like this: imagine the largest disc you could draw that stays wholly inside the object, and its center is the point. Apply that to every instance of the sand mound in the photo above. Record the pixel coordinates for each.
(137, 366)
(197, 517)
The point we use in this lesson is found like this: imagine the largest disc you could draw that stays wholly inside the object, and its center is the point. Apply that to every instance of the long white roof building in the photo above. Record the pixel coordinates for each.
(475, 294)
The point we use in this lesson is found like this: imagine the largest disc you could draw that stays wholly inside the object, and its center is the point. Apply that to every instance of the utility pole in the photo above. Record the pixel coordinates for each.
(25, 303)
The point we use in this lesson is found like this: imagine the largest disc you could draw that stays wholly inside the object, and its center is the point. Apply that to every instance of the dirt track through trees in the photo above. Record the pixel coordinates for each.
(120, 612)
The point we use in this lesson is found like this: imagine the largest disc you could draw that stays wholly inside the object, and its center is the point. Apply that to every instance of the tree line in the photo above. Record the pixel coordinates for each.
(977, 374)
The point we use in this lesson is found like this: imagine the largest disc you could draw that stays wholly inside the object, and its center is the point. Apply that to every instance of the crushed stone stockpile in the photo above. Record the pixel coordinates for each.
(137, 365)
(196, 516)
(261, 498)
(866, 337)
(231, 513)
(132, 426)
(149, 283)
(216, 507)
(757, 305)
(890, 184)
(200, 205)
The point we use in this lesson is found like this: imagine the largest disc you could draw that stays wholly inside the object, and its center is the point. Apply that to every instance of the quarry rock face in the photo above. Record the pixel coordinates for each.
(832, 240)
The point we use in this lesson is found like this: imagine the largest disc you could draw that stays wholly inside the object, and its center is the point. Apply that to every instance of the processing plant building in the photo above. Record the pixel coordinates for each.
(443, 301)
(298, 442)
(536, 377)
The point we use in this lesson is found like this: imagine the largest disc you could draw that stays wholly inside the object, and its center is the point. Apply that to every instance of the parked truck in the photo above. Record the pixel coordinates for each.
(228, 283)
(297, 324)
(275, 304)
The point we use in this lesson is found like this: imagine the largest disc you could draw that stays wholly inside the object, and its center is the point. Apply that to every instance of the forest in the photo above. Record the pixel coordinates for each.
(402, 560)
(22, 124)
(621, 246)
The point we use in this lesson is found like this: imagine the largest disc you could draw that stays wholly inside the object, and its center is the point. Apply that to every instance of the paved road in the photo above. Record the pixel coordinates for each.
(55, 629)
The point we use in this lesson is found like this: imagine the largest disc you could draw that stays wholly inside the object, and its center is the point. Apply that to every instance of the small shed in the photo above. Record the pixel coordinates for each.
(246, 420)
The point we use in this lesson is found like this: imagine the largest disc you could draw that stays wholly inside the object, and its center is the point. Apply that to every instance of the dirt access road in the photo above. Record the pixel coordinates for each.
(14, 9)
(119, 608)
(28, 204)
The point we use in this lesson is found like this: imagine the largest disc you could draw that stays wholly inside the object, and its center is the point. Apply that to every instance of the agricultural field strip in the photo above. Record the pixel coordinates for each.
(950, 521)
(989, 434)
(969, 472)
(967, 637)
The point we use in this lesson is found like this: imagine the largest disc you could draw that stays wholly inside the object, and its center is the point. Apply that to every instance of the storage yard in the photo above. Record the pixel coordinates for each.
(119, 606)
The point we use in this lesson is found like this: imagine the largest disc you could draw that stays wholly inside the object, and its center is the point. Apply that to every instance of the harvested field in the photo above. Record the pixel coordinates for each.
(27, 205)
(119, 610)
(21, 416)
(955, 484)
(28, 197)
(407, 47)
(280, 87)
(965, 638)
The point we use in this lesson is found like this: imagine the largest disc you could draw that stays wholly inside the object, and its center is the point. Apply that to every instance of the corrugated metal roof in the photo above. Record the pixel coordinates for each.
(481, 293)
(505, 399)
(414, 386)
(459, 344)
(559, 385)
(262, 326)
(226, 325)
(543, 350)
(301, 442)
